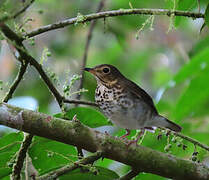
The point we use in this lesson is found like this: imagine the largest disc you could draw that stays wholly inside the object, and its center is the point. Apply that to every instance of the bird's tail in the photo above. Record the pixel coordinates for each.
(161, 121)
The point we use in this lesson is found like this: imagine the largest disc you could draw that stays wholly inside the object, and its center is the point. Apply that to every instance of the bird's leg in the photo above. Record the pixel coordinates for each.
(128, 131)
(137, 139)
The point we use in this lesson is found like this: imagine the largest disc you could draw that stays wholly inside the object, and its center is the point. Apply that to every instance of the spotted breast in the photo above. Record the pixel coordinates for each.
(120, 107)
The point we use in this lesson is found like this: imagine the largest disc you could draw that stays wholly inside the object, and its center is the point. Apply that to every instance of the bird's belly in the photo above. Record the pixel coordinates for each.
(126, 121)
(129, 117)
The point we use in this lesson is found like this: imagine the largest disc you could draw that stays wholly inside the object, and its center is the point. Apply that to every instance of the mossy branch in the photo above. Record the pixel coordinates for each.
(74, 133)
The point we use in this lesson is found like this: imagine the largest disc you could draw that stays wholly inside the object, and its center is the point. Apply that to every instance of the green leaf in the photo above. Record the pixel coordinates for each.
(184, 5)
(87, 116)
(9, 145)
(193, 68)
(199, 46)
(11, 138)
(47, 155)
(207, 15)
(4, 172)
(195, 96)
(102, 174)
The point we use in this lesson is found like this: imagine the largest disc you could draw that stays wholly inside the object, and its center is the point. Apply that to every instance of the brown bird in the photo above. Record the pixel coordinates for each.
(125, 103)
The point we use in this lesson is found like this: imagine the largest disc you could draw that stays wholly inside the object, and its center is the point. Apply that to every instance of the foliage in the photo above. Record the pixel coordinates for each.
(94, 119)
(174, 64)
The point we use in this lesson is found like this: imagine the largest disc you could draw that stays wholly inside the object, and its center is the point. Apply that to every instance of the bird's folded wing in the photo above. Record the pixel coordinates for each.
(141, 94)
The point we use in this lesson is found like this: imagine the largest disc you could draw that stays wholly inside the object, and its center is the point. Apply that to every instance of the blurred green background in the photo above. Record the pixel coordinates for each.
(169, 59)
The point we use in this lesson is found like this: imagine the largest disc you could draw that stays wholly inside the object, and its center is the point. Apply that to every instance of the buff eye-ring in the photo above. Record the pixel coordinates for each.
(106, 70)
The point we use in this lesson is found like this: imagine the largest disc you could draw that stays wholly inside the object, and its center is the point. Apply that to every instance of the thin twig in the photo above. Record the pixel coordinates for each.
(84, 59)
(131, 174)
(17, 13)
(88, 40)
(22, 70)
(24, 55)
(22, 10)
(106, 14)
(56, 173)
(21, 156)
(195, 142)
(80, 102)
(187, 138)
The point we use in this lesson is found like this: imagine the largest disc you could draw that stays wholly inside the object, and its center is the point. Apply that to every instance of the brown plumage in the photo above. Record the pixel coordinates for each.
(125, 103)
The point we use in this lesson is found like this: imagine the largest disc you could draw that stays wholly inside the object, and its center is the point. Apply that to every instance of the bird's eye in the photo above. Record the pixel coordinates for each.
(106, 70)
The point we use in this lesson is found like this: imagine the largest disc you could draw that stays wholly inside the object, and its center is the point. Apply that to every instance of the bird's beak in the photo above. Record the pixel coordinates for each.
(91, 70)
(87, 69)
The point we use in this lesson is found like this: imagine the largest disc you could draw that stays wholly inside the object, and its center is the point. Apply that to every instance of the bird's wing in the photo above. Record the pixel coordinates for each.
(141, 94)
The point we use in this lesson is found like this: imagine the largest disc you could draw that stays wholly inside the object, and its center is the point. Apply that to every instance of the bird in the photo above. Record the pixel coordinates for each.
(127, 105)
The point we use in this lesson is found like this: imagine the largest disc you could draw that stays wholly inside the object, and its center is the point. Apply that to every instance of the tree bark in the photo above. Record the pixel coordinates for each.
(75, 133)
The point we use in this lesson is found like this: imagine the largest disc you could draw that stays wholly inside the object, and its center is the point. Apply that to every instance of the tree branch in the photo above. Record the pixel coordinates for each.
(88, 40)
(12, 36)
(16, 82)
(194, 141)
(6, 18)
(80, 102)
(22, 10)
(56, 173)
(84, 59)
(187, 138)
(28, 138)
(106, 14)
(17, 43)
(21, 156)
(76, 134)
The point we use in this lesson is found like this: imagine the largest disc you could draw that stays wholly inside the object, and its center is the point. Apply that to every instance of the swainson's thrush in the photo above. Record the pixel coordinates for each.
(125, 103)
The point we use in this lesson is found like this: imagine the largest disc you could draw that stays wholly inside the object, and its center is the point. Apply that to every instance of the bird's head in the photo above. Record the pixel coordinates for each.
(106, 74)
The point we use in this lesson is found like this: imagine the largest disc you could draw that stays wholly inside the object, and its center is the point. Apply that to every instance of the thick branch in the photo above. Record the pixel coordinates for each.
(106, 14)
(87, 160)
(76, 134)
